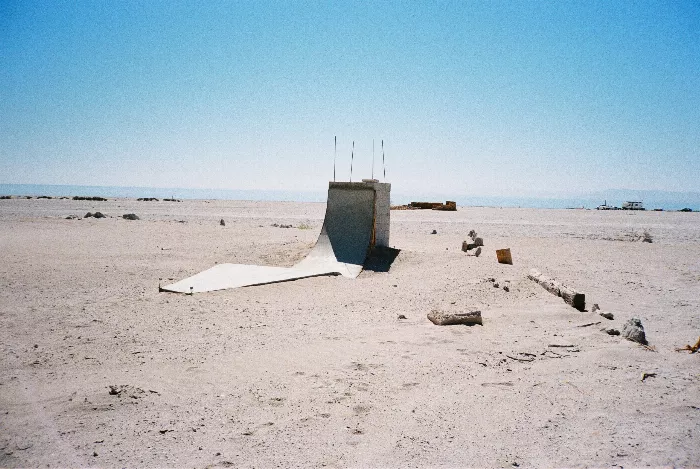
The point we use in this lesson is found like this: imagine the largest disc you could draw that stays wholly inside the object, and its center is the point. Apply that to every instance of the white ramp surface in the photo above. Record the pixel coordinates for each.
(341, 248)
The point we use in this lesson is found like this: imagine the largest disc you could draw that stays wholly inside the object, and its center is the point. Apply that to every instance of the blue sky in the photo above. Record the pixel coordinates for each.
(491, 98)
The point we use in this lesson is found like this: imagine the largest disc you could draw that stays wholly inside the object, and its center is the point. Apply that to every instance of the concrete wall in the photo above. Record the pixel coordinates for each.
(382, 212)
(382, 206)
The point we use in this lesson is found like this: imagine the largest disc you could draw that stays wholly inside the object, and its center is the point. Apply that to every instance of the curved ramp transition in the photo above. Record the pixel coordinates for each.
(349, 231)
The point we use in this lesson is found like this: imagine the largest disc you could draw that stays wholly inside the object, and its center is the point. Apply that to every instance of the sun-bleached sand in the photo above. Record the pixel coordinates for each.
(320, 371)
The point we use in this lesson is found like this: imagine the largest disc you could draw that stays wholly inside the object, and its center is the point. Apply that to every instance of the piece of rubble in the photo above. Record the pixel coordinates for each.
(595, 308)
(478, 242)
(441, 318)
(634, 330)
(569, 295)
(222, 222)
(606, 315)
(99, 215)
(503, 256)
(610, 331)
(130, 216)
(477, 253)
(433, 232)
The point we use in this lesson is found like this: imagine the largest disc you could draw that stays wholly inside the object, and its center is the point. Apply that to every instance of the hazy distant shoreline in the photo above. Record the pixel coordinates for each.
(652, 199)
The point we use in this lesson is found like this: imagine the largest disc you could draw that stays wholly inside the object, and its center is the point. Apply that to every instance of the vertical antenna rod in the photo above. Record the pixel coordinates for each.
(372, 158)
(335, 154)
(352, 157)
(383, 165)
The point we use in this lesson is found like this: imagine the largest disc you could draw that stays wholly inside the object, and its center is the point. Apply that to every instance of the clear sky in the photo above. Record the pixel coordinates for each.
(470, 97)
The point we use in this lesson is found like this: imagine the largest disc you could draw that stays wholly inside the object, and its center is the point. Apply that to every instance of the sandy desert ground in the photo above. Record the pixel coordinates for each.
(320, 371)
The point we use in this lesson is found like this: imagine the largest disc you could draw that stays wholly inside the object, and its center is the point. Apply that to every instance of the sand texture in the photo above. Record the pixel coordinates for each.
(321, 371)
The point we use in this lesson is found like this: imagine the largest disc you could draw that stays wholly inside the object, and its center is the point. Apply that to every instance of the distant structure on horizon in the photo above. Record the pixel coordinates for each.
(629, 205)
(633, 206)
(605, 206)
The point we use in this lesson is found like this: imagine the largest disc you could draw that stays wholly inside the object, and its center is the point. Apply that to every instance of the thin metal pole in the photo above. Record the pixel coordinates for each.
(383, 165)
(372, 158)
(352, 157)
(335, 154)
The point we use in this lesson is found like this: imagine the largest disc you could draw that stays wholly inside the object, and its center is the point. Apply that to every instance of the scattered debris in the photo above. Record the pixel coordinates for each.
(71, 217)
(610, 331)
(595, 308)
(691, 348)
(172, 200)
(570, 296)
(503, 256)
(96, 199)
(147, 199)
(648, 375)
(122, 390)
(562, 346)
(634, 331)
(505, 284)
(222, 222)
(477, 253)
(478, 242)
(589, 324)
(609, 316)
(277, 225)
(440, 318)
(646, 237)
(130, 216)
(530, 357)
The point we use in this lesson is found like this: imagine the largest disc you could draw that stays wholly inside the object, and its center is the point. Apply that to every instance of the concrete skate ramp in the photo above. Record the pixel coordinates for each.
(341, 247)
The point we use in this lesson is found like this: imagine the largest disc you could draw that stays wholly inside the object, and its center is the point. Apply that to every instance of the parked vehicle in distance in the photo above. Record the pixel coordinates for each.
(633, 206)
(605, 206)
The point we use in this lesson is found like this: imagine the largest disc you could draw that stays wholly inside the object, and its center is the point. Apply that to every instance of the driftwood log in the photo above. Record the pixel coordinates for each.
(570, 296)
(441, 318)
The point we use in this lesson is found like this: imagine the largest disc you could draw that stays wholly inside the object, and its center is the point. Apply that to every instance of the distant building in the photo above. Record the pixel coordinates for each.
(632, 206)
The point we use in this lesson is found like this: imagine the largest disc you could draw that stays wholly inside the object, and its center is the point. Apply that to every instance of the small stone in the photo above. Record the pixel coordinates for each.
(611, 331)
(402, 316)
(595, 308)
(478, 242)
(472, 234)
(607, 315)
(130, 216)
(88, 215)
(434, 232)
(506, 286)
(94, 454)
(99, 215)
(222, 222)
(634, 330)
(477, 253)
